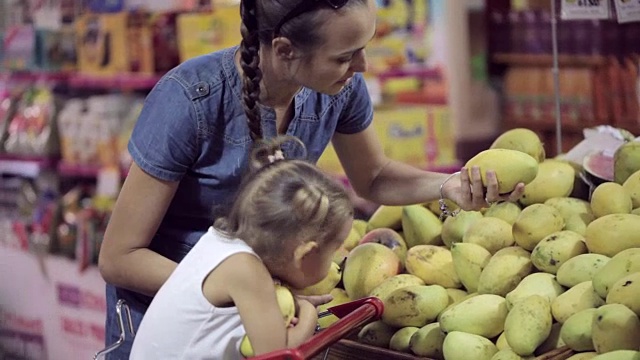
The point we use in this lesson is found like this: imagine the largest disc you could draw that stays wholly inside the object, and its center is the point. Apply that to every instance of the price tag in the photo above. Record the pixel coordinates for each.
(585, 9)
(627, 10)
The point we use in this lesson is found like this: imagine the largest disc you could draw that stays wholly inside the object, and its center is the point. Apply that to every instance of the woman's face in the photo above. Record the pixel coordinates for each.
(333, 62)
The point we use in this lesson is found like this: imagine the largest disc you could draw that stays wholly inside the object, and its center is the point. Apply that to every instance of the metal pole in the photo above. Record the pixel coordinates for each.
(556, 76)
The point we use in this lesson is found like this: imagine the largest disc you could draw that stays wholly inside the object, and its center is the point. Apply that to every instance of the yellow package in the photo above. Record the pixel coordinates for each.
(102, 43)
(418, 135)
(203, 33)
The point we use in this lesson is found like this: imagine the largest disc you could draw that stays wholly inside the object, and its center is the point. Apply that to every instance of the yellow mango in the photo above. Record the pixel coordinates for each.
(555, 249)
(580, 268)
(618, 355)
(415, 305)
(528, 324)
(339, 297)
(542, 284)
(511, 167)
(534, 223)
(632, 186)
(610, 198)
(622, 264)
(521, 139)
(611, 234)
(584, 356)
(505, 210)
(576, 331)
(376, 333)
(505, 270)
(386, 217)
(615, 327)
(454, 227)
(555, 179)
(433, 264)
(579, 297)
(570, 206)
(468, 262)
(393, 283)
(626, 291)
(367, 266)
(491, 233)
(428, 341)
(482, 315)
(462, 346)
(400, 340)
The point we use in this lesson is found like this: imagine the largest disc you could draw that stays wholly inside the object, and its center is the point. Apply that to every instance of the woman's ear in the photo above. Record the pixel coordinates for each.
(283, 48)
(301, 251)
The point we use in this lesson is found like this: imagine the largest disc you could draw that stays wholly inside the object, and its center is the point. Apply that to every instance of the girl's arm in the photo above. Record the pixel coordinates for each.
(124, 259)
(384, 181)
(244, 280)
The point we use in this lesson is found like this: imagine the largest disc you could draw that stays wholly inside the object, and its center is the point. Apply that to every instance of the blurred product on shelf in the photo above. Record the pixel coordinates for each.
(416, 134)
(30, 129)
(528, 31)
(91, 129)
(598, 77)
(202, 33)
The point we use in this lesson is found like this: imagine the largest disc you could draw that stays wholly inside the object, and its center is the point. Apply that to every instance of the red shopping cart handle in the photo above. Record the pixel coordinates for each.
(352, 315)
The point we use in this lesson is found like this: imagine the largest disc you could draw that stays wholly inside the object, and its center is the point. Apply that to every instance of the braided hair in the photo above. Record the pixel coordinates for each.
(250, 61)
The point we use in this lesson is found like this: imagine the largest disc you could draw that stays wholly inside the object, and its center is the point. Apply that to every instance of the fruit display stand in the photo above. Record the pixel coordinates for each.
(351, 349)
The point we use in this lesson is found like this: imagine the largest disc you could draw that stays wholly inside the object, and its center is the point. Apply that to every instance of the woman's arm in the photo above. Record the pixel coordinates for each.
(385, 181)
(245, 281)
(125, 260)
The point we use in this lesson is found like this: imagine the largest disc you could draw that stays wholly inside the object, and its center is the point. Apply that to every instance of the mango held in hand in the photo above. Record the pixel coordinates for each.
(511, 167)
(287, 304)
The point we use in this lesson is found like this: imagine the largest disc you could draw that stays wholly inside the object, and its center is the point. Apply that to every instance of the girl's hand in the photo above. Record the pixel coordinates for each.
(315, 300)
(304, 325)
(469, 192)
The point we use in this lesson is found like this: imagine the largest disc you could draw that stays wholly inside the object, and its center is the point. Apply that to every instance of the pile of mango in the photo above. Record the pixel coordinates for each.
(512, 281)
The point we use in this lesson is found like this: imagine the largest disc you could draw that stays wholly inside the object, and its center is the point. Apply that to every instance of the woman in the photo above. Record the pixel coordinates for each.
(296, 72)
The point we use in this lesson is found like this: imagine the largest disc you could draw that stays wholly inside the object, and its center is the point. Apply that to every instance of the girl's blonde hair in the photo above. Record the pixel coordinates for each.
(284, 200)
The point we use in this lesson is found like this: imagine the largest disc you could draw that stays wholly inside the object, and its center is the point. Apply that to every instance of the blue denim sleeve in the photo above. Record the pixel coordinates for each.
(165, 141)
(357, 113)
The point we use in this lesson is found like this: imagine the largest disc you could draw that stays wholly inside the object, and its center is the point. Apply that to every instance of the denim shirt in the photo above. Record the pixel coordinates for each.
(193, 129)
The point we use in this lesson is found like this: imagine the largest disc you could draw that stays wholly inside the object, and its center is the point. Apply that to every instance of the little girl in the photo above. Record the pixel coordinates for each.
(287, 221)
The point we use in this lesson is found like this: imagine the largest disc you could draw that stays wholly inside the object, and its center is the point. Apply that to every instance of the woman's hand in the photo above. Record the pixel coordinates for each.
(469, 192)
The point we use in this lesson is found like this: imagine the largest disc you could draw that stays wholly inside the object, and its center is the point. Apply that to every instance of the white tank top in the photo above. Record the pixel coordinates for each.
(180, 322)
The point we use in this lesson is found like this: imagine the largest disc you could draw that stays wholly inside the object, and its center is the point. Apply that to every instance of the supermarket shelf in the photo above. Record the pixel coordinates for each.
(419, 72)
(130, 81)
(547, 60)
(34, 75)
(544, 126)
(122, 81)
(81, 170)
(26, 167)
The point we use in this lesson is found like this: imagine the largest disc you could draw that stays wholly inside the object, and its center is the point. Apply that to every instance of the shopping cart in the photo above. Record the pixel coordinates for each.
(351, 316)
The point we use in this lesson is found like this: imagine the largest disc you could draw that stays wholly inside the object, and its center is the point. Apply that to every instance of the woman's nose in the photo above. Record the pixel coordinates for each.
(359, 63)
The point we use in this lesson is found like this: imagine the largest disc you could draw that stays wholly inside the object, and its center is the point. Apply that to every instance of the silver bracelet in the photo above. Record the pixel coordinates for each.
(444, 209)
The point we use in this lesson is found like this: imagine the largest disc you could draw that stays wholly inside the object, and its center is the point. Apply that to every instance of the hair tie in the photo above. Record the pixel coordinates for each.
(277, 155)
